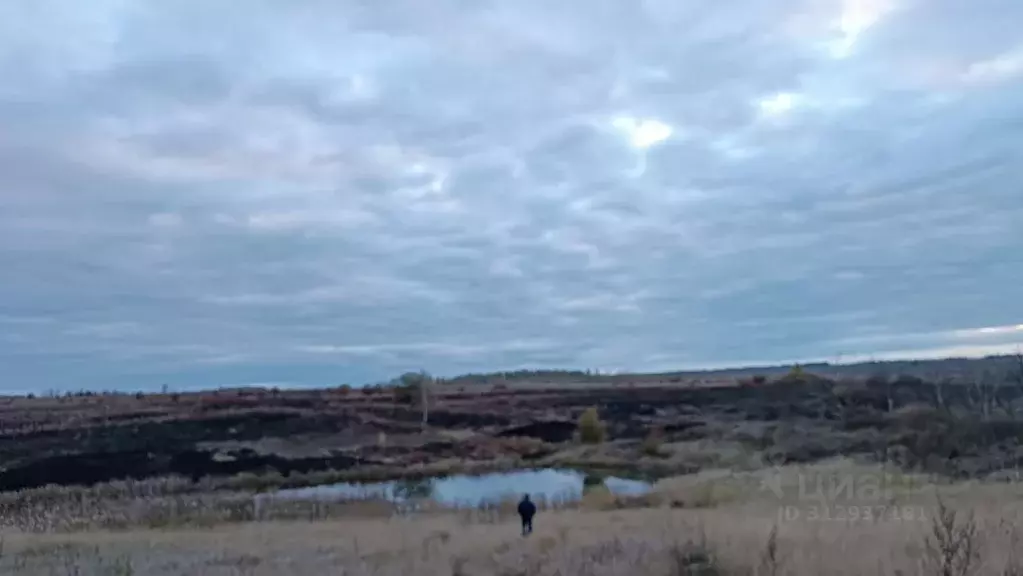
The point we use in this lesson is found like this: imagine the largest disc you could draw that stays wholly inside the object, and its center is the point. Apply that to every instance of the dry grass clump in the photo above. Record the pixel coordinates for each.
(715, 523)
(569, 544)
(57, 510)
(591, 429)
(652, 445)
(956, 539)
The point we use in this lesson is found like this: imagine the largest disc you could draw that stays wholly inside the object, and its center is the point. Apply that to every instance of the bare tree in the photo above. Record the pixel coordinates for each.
(985, 393)
(1015, 378)
(939, 382)
(417, 385)
(424, 399)
(889, 393)
(884, 378)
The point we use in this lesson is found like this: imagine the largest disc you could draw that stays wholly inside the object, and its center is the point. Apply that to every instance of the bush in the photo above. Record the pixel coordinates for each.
(591, 429)
(952, 547)
(652, 443)
(411, 387)
(405, 394)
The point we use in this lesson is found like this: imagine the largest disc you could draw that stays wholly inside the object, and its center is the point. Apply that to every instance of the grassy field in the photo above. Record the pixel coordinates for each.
(791, 475)
(715, 522)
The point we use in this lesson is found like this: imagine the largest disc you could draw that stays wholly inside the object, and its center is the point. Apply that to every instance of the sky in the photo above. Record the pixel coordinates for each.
(199, 193)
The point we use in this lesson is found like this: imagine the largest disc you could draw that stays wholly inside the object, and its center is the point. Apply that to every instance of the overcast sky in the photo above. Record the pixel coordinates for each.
(205, 193)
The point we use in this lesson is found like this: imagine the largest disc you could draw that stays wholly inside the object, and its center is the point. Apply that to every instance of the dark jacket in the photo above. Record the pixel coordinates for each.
(527, 509)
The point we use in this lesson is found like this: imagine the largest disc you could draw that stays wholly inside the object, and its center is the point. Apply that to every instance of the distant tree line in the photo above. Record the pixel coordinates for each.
(525, 375)
(955, 369)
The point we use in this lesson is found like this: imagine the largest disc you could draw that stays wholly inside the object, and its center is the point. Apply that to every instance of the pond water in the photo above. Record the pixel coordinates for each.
(549, 484)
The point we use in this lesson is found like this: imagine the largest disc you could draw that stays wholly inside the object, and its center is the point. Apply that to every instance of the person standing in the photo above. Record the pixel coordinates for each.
(526, 512)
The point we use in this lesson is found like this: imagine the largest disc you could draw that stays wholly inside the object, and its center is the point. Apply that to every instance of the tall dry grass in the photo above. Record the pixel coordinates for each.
(712, 523)
(663, 541)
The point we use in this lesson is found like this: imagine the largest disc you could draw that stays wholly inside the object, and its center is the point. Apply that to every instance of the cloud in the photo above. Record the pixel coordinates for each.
(341, 191)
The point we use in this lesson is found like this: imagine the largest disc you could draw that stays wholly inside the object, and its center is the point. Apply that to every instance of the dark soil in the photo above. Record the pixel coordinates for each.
(958, 429)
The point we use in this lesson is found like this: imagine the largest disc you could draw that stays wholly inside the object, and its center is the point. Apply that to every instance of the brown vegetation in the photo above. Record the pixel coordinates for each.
(942, 456)
(681, 529)
(969, 430)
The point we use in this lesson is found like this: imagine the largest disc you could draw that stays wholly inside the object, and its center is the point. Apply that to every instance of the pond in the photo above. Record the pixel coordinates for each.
(548, 484)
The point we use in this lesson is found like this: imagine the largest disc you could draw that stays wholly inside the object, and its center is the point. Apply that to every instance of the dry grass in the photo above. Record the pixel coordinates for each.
(728, 540)
(713, 523)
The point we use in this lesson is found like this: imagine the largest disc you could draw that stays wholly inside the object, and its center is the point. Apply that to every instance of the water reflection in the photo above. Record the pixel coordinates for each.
(552, 485)
(420, 489)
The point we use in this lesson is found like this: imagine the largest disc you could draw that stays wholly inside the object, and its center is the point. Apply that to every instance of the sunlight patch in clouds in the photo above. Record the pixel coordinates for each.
(642, 133)
(990, 331)
(778, 104)
(857, 17)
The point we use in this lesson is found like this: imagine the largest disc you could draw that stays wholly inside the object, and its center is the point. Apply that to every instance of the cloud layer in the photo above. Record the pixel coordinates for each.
(199, 193)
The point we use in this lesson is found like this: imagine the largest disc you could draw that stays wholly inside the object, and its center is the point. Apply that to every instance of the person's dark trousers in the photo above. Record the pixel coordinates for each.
(527, 526)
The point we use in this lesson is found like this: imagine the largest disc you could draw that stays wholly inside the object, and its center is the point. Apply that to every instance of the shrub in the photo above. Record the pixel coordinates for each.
(591, 429)
(405, 394)
(952, 547)
(651, 445)
(412, 388)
